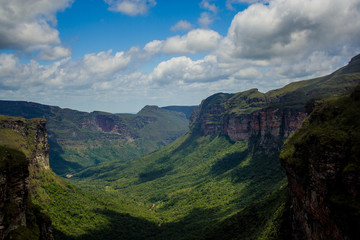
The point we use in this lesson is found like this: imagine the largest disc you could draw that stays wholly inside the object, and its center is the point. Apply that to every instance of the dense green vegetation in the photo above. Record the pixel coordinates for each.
(192, 183)
(79, 139)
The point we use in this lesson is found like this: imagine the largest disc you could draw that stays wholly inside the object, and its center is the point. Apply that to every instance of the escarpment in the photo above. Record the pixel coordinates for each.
(248, 116)
(23, 154)
(323, 169)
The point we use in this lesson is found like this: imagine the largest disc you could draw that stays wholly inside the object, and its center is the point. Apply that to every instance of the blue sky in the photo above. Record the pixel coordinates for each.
(120, 55)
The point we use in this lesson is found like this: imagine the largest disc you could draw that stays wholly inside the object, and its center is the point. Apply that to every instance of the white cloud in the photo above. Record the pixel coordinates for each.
(182, 25)
(198, 40)
(195, 41)
(180, 70)
(208, 6)
(292, 27)
(131, 7)
(64, 74)
(207, 18)
(104, 63)
(53, 53)
(29, 25)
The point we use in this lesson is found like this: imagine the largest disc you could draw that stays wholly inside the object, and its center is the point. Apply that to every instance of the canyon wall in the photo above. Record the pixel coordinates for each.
(323, 170)
(23, 154)
(254, 119)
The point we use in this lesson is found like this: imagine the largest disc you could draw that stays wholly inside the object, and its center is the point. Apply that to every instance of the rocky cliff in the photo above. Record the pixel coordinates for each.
(323, 169)
(23, 154)
(248, 116)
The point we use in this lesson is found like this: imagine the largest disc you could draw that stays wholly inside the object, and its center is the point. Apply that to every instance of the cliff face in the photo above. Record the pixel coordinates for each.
(323, 168)
(23, 153)
(248, 116)
(268, 127)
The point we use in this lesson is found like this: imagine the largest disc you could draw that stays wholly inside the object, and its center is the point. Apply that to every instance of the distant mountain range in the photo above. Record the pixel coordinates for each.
(80, 139)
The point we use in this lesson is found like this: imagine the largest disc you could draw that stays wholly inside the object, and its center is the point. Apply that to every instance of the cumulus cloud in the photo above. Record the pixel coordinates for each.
(195, 41)
(64, 74)
(182, 25)
(131, 7)
(53, 53)
(198, 40)
(184, 70)
(105, 63)
(154, 47)
(29, 25)
(287, 28)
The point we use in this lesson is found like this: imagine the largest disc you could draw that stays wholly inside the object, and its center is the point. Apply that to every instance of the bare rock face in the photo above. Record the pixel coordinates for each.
(323, 170)
(267, 128)
(23, 153)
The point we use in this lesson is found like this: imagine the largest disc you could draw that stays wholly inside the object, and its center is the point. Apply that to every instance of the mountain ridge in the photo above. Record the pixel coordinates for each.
(80, 139)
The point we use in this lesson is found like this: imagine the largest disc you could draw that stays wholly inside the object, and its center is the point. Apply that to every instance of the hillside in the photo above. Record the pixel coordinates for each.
(187, 110)
(79, 139)
(227, 161)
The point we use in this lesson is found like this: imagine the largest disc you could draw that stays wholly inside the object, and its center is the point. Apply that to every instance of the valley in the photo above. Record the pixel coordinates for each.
(165, 174)
(80, 139)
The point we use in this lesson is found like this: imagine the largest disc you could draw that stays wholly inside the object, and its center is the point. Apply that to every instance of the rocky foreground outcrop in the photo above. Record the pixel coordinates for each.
(23, 154)
(322, 162)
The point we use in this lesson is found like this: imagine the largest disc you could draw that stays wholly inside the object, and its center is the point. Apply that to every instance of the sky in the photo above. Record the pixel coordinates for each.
(120, 55)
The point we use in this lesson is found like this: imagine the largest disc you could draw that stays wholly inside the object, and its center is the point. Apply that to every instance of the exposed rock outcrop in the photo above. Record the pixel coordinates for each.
(23, 153)
(323, 168)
